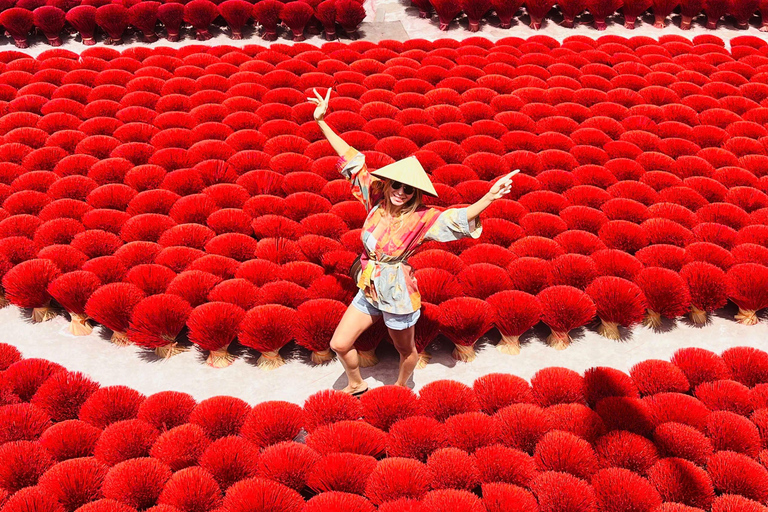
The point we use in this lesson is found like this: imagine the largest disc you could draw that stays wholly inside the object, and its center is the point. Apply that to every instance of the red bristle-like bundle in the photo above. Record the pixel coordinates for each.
(700, 365)
(136, 482)
(442, 399)
(242, 496)
(143, 17)
(524, 424)
(537, 10)
(25, 377)
(618, 302)
(236, 13)
(316, 321)
(200, 14)
(62, 395)
(26, 286)
(230, 459)
(113, 19)
(112, 306)
(109, 269)
(734, 473)
(8, 355)
(338, 501)
(665, 292)
(514, 313)
(396, 478)
(453, 469)
(451, 499)
(341, 472)
(74, 483)
(330, 406)
(180, 447)
(632, 9)
(32, 498)
(295, 16)
(564, 452)
(191, 490)
(213, 326)
(714, 11)
(664, 407)
(678, 440)
(475, 11)
(239, 292)
(167, 409)
(348, 437)
(564, 308)
(561, 491)
(220, 416)
(288, 463)
(571, 9)
(729, 431)
(416, 437)
(50, 20)
(18, 22)
(386, 405)
(72, 290)
(22, 463)
(625, 413)
(267, 14)
(110, 404)
(70, 439)
(269, 423)
(157, 321)
(681, 481)
(471, 431)
(747, 365)
(349, 14)
(662, 9)
(735, 503)
(554, 385)
(725, 395)
(22, 422)
(498, 390)
(622, 449)
(123, 440)
(618, 489)
(171, 15)
(707, 285)
(498, 496)
(577, 419)
(267, 329)
(656, 376)
(325, 12)
(464, 320)
(446, 10)
(745, 288)
(498, 463)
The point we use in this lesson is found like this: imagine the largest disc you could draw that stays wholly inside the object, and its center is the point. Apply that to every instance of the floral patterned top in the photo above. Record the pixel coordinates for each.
(386, 278)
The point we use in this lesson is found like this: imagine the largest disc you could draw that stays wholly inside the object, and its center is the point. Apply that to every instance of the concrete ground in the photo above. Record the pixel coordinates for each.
(299, 378)
(387, 19)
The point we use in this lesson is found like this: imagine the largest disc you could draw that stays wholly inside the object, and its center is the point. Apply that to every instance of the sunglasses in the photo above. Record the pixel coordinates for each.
(407, 189)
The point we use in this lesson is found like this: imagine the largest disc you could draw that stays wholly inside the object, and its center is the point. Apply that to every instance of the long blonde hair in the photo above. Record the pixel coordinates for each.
(405, 210)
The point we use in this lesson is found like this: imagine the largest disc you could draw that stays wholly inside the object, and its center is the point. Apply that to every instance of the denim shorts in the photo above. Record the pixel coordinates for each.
(391, 320)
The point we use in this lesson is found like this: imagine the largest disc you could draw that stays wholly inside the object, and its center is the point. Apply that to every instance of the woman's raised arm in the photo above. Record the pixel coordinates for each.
(337, 143)
(498, 190)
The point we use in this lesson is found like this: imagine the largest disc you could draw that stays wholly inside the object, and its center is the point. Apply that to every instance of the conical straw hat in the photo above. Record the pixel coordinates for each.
(408, 171)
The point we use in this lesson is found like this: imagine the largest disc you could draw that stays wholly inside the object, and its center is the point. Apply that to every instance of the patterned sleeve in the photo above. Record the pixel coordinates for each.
(352, 167)
(453, 225)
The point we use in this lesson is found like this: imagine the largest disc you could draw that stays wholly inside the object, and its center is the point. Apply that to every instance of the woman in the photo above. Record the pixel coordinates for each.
(396, 224)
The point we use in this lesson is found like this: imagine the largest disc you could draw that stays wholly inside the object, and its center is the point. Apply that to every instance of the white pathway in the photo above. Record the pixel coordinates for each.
(387, 19)
(110, 365)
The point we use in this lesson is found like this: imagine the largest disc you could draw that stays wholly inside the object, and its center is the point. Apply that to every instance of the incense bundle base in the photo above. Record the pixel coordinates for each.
(652, 319)
(220, 358)
(120, 339)
(270, 360)
(464, 353)
(559, 340)
(424, 358)
(698, 317)
(367, 358)
(685, 22)
(79, 325)
(43, 314)
(609, 329)
(509, 345)
(169, 350)
(322, 356)
(746, 317)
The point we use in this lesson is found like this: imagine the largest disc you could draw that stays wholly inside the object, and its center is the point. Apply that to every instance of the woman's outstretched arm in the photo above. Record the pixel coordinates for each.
(337, 143)
(498, 190)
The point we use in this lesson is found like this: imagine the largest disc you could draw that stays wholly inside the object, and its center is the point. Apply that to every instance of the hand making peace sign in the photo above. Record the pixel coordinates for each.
(322, 104)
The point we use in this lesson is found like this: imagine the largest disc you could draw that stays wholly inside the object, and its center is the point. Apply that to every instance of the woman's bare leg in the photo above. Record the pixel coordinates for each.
(409, 357)
(353, 324)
